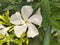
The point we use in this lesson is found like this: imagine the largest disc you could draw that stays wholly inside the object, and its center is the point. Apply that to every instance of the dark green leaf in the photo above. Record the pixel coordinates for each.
(35, 41)
(11, 7)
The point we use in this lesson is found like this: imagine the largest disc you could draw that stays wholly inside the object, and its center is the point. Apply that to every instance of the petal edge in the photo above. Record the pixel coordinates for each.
(18, 30)
(32, 31)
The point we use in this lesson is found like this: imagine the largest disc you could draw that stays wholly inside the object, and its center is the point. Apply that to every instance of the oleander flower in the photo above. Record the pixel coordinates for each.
(29, 0)
(3, 30)
(22, 22)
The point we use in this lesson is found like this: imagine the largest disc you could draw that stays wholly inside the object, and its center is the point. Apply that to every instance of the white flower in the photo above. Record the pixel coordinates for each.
(3, 30)
(29, 0)
(22, 22)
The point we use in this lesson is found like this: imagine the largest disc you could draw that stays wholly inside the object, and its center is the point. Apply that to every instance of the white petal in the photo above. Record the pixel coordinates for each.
(7, 34)
(37, 18)
(29, 0)
(16, 19)
(38, 12)
(26, 11)
(1, 26)
(4, 31)
(32, 31)
(19, 30)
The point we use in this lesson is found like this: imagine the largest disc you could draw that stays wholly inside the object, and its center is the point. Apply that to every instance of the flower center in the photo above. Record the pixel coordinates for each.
(26, 22)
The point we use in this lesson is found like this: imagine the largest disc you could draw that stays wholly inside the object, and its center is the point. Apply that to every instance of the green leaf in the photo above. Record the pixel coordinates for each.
(57, 17)
(7, 14)
(55, 4)
(20, 43)
(35, 41)
(8, 43)
(45, 13)
(10, 37)
(15, 41)
(6, 39)
(12, 7)
(1, 22)
(3, 18)
(55, 24)
(58, 32)
(2, 41)
(46, 21)
(53, 42)
(2, 36)
(27, 41)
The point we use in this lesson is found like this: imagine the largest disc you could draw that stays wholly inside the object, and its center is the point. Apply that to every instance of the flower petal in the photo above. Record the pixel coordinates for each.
(16, 19)
(1, 26)
(29, 0)
(4, 31)
(19, 30)
(26, 11)
(32, 31)
(37, 18)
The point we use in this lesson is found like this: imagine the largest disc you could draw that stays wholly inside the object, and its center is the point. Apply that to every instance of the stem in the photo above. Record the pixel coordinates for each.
(47, 36)
(46, 21)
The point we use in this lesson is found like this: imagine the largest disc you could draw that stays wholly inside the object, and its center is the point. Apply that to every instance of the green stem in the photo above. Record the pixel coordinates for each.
(46, 21)
(47, 36)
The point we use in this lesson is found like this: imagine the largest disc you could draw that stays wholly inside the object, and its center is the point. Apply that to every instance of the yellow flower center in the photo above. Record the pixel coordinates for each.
(26, 22)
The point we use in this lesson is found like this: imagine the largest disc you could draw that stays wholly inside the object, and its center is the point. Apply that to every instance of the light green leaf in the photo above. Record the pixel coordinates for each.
(3, 18)
(1, 22)
(7, 14)
(58, 32)
(2, 41)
